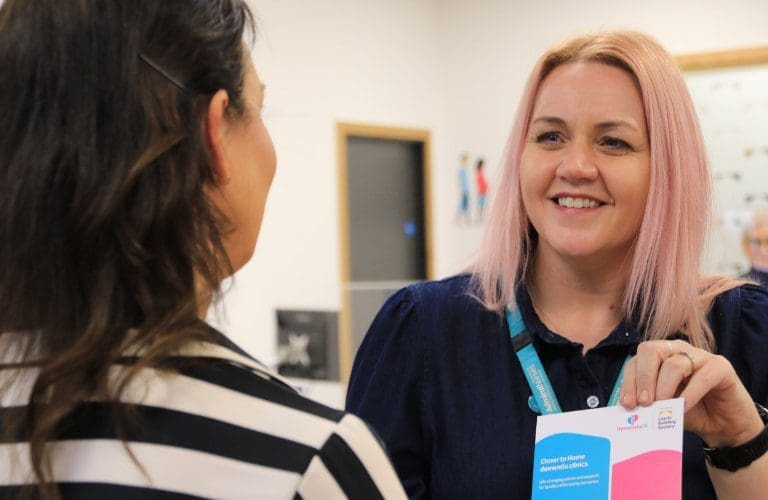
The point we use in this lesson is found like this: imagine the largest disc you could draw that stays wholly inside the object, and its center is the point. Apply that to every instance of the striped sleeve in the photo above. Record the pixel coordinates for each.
(350, 464)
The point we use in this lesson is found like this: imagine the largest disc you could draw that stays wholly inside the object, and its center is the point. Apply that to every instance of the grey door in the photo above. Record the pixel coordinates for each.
(385, 203)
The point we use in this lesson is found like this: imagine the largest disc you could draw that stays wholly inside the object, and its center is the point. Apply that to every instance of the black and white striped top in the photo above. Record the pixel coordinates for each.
(221, 426)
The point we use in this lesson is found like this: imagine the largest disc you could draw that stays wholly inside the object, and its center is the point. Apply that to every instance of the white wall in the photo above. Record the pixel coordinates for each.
(323, 62)
(456, 67)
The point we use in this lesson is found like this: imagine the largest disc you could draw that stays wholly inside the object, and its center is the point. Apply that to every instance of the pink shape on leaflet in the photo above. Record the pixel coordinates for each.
(656, 474)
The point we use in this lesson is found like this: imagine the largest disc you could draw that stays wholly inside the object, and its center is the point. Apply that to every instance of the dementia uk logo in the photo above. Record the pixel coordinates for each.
(634, 424)
(665, 419)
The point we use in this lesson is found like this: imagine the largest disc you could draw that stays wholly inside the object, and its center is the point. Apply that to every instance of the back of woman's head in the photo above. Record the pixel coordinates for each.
(663, 282)
(104, 222)
(103, 161)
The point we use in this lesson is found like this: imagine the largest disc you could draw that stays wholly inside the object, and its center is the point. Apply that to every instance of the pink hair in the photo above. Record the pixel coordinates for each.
(664, 289)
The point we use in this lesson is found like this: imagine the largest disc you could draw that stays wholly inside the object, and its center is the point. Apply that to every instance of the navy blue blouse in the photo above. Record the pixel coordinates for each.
(437, 378)
(759, 276)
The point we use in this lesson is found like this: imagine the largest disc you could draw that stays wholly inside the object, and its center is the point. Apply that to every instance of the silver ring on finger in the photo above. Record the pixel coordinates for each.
(690, 358)
(669, 349)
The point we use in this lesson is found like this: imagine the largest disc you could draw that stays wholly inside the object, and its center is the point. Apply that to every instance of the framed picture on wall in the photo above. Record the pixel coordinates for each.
(730, 92)
(308, 344)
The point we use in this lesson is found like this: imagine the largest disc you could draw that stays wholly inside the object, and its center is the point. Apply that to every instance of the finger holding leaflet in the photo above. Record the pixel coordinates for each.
(673, 374)
(628, 397)
(650, 356)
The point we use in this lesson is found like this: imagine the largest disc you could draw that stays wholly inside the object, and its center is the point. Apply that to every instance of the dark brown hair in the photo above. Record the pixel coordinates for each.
(104, 223)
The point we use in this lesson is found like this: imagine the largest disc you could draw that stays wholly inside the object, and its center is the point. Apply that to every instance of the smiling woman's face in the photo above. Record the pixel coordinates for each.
(585, 167)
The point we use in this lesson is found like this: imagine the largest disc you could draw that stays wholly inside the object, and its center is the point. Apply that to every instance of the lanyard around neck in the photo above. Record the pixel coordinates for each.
(543, 394)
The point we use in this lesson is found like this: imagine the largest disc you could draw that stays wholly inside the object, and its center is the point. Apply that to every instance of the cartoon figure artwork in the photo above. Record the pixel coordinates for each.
(481, 184)
(462, 211)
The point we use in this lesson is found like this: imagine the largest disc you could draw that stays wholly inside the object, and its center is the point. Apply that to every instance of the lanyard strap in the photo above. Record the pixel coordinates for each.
(543, 393)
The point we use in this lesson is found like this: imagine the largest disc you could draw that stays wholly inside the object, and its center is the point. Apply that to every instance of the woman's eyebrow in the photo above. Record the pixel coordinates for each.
(551, 120)
(616, 124)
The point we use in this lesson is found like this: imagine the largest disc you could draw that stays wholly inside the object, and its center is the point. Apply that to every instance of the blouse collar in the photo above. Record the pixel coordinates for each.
(625, 334)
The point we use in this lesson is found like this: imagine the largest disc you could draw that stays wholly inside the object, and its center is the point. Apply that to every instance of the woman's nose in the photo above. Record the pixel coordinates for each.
(577, 164)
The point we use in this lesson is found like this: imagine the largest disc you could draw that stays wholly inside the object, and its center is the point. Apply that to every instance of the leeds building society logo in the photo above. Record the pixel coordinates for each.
(665, 419)
(634, 424)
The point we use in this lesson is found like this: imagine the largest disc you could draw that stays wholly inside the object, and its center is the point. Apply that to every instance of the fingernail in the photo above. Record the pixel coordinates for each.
(625, 399)
(643, 396)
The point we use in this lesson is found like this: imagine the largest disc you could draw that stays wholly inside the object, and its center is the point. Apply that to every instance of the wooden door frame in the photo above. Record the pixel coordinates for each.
(723, 58)
(344, 130)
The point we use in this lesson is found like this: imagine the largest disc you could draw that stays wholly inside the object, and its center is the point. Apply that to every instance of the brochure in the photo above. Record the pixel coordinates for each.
(610, 453)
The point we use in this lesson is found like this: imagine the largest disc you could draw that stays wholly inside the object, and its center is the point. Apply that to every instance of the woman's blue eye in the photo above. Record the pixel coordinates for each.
(547, 137)
(614, 143)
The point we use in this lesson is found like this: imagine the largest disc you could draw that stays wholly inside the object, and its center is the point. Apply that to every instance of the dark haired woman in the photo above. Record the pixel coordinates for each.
(134, 168)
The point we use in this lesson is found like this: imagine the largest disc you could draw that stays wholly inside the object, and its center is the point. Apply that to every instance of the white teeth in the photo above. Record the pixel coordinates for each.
(569, 202)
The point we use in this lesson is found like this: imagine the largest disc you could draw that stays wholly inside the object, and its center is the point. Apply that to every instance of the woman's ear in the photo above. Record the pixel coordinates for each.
(215, 131)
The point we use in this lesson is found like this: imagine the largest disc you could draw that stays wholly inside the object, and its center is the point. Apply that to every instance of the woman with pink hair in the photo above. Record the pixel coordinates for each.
(590, 259)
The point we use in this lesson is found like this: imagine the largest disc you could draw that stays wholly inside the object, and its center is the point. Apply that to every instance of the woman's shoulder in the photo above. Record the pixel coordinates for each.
(444, 314)
(738, 318)
(418, 309)
(222, 383)
(747, 299)
(450, 291)
(415, 317)
(257, 418)
(242, 401)
(739, 321)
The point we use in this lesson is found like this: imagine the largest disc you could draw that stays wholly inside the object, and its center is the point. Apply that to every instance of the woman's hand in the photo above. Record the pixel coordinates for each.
(717, 405)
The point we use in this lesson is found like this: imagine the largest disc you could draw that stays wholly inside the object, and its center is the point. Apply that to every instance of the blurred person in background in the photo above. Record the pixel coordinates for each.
(755, 245)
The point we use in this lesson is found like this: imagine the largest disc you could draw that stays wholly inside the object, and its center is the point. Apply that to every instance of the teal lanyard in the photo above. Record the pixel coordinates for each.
(544, 400)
